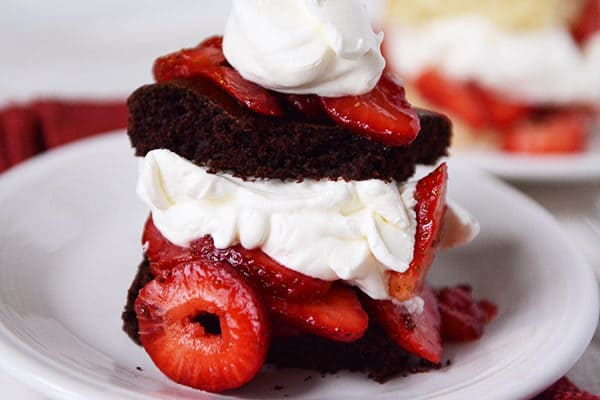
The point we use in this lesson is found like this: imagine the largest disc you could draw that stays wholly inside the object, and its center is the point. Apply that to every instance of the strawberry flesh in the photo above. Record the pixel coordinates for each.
(463, 318)
(267, 275)
(383, 114)
(337, 315)
(430, 195)
(207, 60)
(203, 326)
(417, 333)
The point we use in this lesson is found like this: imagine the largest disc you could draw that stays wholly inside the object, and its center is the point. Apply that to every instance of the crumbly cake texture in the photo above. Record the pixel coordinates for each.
(374, 354)
(200, 122)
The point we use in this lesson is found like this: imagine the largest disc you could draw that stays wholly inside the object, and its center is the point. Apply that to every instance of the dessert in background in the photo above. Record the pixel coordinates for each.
(285, 226)
(522, 76)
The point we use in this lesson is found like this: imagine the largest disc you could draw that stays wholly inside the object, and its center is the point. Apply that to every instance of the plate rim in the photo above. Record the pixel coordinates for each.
(44, 376)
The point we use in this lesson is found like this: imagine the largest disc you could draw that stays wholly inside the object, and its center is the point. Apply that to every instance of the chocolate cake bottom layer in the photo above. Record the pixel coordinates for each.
(202, 123)
(374, 354)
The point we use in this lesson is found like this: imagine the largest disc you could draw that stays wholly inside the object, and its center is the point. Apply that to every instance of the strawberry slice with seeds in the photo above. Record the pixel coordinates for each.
(463, 318)
(417, 333)
(383, 114)
(564, 132)
(267, 275)
(203, 326)
(430, 195)
(207, 60)
(163, 254)
(337, 315)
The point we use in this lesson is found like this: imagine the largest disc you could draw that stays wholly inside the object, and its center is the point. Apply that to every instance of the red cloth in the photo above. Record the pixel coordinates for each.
(26, 130)
(29, 129)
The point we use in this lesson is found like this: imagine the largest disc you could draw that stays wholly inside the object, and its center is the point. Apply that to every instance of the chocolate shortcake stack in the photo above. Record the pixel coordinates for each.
(284, 227)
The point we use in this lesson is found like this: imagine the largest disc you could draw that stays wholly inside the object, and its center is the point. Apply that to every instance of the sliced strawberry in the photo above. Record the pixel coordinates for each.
(383, 114)
(337, 315)
(564, 132)
(203, 326)
(503, 112)
(463, 318)
(268, 275)
(163, 254)
(417, 333)
(430, 195)
(460, 98)
(588, 22)
(207, 60)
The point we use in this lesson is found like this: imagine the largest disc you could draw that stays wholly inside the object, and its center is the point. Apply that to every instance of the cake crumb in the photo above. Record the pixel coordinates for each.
(139, 368)
(278, 387)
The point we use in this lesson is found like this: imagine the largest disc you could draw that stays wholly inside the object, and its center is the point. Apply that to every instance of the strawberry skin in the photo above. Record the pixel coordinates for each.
(564, 132)
(203, 326)
(418, 334)
(383, 114)
(266, 274)
(463, 318)
(337, 315)
(588, 22)
(207, 60)
(163, 254)
(430, 195)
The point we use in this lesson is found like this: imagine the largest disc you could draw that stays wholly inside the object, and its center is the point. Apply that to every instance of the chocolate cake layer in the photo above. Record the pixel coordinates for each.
(199, 121)
(374, 354)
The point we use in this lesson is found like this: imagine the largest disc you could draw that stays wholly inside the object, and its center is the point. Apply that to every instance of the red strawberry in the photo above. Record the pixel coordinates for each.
(460, 98)
(336, 315)
(207, 60)
(308, 105)
(163, 254)
(564, 132)
(502, 112)
(430, 209)
(462, 318)
(203, 326)
(268, 275)
(588, 22)
(416, 333)
(383, 114)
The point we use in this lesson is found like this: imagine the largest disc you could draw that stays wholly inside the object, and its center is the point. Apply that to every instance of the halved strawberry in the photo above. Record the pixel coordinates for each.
(460, 98)
(266, 274)
(463, 318)
(430, 195)
(588, 22)
(417, 333)
(163, 254)
(203, 326)
(336, 315)
(207, 60)
(383, 114)
(563, 132)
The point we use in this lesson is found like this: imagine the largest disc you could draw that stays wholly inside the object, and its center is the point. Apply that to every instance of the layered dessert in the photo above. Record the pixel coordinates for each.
(285, 224)
(515, 76)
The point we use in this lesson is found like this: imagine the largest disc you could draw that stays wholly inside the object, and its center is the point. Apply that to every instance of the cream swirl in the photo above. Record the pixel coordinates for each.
(323, 47)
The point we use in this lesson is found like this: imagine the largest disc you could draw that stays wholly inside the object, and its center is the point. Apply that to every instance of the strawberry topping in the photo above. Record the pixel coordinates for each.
(207, 60)
(337, 315)
(163, 254)
(430, 209)
(203, 326)
(463, 318)
(588, 22)
(417, 333)
(383, 114)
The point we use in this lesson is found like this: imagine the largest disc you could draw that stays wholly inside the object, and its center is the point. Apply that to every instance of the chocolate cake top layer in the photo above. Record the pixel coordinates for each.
(202, 123)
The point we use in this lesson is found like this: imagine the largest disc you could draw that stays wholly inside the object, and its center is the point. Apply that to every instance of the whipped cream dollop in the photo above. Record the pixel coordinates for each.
(543, 66)
(323, 47)
(354, 231)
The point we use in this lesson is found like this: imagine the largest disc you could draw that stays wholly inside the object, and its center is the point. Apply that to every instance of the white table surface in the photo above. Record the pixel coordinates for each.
(106, 49)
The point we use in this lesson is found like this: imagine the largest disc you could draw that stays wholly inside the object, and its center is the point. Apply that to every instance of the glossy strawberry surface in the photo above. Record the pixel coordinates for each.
(203, 326)
(430, 195)
(383, 114)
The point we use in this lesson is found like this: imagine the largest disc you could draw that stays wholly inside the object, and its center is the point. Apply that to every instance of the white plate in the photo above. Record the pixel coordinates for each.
(546, 168)
(69, 249)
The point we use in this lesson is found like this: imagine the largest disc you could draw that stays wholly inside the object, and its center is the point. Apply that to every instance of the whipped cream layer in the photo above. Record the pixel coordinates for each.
(543, 66)
(323, 47)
